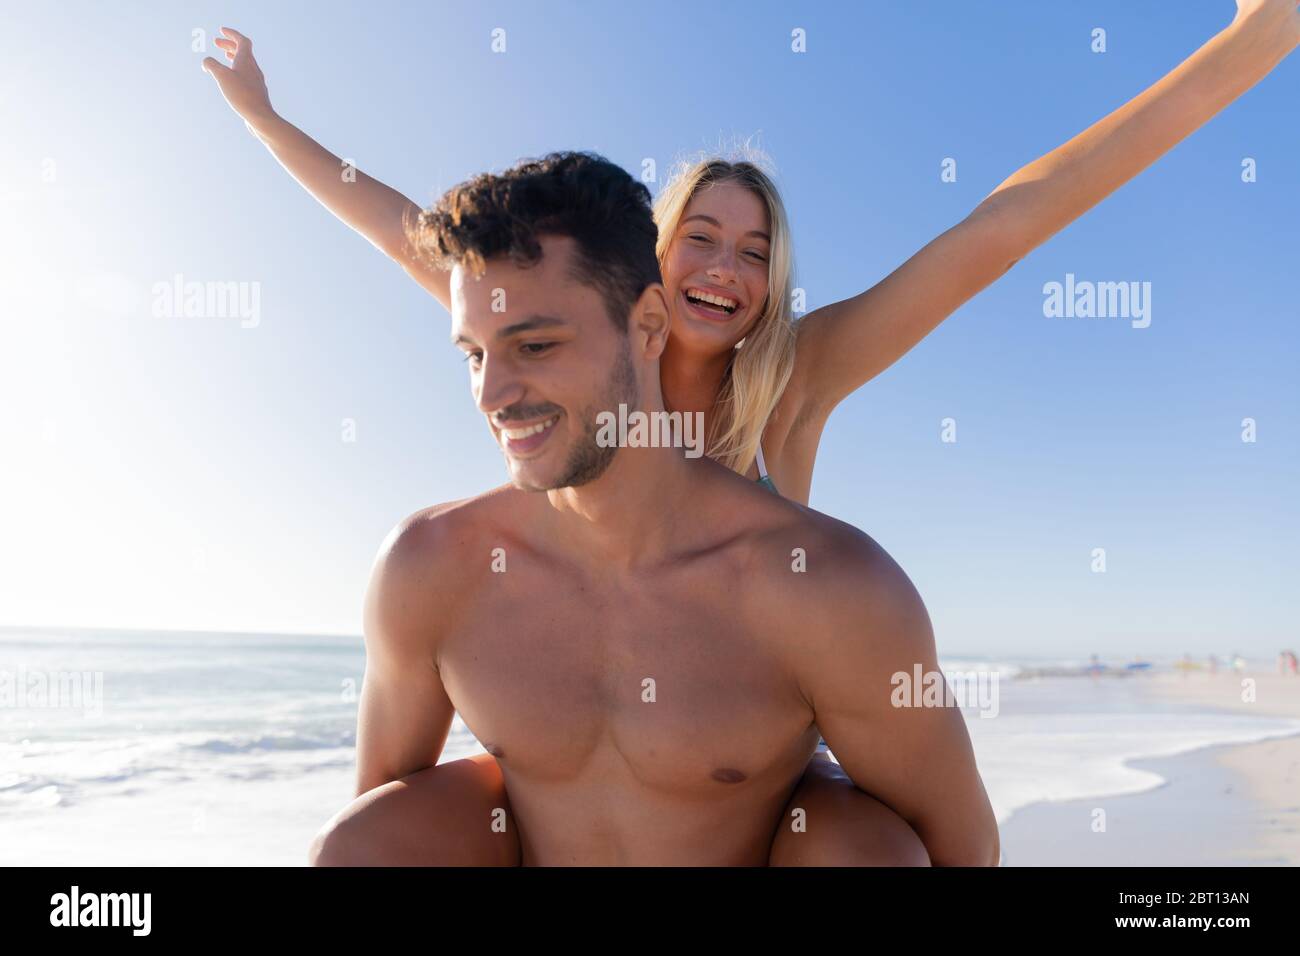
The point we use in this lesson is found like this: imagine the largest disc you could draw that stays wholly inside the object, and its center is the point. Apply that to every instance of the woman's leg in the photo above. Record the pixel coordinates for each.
(443, 815)
(842, 825)
(440, 816)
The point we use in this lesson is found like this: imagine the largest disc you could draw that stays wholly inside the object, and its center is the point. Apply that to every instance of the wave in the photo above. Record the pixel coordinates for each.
(65, 773)
(1095, 766)
(245, 744)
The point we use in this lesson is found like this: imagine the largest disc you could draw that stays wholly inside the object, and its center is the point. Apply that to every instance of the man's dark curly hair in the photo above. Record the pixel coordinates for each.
(580, 195)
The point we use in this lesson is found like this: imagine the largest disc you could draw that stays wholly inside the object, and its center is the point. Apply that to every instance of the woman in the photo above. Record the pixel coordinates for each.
(724, 249)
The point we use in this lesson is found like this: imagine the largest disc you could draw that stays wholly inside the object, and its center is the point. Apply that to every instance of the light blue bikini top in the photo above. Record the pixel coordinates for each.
(764, 478)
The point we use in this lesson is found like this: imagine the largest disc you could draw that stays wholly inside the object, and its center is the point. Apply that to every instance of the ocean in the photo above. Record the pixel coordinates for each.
(212, 749)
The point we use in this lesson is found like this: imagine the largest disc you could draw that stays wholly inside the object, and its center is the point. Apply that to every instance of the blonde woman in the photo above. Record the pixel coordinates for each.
(765, 383)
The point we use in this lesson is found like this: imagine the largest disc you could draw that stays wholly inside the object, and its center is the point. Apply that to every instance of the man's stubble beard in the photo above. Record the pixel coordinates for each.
(589, 460)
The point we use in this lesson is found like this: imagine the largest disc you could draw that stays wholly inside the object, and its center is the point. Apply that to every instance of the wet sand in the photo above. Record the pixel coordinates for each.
(1220, 806)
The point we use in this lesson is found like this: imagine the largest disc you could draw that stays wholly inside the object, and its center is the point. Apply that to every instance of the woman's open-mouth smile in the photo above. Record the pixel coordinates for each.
(710, 305)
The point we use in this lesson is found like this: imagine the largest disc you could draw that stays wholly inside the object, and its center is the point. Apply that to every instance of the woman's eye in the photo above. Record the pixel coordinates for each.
(700, 236)
(756, 255)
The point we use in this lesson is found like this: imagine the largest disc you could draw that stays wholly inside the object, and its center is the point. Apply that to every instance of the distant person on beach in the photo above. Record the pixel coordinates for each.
(646, 642)
(1095, 667)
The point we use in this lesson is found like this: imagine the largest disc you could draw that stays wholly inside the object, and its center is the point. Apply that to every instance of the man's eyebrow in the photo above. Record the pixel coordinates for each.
(527, 325)
(713, 222)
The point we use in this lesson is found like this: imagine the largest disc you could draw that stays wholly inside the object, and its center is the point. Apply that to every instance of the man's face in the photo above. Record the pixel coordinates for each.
(544, 360)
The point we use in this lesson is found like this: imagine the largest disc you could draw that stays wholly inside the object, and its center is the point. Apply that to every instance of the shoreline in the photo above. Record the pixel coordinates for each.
(1231, 804)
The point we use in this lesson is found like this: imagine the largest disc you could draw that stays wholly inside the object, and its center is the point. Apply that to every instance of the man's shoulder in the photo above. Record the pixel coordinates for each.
(438, 532)
(777, 536)
(423, 564)
(850, 554)
(837, 548)
(831, 581)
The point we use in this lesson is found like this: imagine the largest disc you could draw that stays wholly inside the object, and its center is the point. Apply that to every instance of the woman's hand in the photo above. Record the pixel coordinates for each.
(374, 210)
(843, 345)
(241, 83)
(1282, 15)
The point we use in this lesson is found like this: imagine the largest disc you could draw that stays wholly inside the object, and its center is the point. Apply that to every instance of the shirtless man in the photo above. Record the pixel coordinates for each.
(646, 642)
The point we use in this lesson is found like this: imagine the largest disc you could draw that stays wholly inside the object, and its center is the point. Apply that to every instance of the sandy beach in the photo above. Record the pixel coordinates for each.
(1234, 805)
(1270, 769)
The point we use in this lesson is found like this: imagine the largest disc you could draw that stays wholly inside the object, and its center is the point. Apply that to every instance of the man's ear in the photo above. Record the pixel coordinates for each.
(649, 322)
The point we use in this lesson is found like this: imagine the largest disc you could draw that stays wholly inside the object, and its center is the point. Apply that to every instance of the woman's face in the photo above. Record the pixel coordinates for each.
(715, 272)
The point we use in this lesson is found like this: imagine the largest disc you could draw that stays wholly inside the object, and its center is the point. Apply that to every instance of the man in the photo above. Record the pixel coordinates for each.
(644, 641)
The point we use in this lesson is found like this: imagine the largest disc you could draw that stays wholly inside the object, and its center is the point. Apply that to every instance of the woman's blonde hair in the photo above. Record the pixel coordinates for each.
(761, 365)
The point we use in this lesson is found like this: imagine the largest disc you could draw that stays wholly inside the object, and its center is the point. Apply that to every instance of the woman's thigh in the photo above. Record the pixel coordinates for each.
(453, 814)
(841, 826)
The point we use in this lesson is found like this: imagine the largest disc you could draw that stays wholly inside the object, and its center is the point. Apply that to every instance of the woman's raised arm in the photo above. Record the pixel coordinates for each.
(367, 205)
(844, 345)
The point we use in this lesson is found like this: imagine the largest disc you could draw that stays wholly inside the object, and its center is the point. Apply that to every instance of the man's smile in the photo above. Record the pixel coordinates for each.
(519, 440)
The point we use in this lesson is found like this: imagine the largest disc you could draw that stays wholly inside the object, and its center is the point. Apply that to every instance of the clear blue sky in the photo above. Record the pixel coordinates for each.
(191, 473)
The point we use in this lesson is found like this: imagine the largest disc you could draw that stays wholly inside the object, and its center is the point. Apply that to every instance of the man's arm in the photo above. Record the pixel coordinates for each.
(917, 760)
(405, 713)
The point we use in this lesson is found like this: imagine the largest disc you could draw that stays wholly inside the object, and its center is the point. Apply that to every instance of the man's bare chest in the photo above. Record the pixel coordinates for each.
(686, 689)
